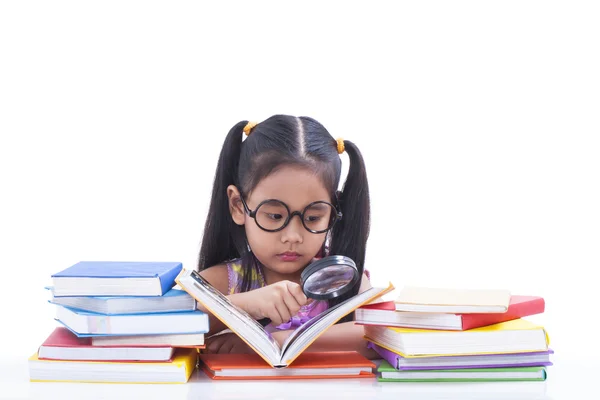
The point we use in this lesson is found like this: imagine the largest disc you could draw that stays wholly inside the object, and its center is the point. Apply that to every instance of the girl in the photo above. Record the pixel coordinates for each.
(254, 249)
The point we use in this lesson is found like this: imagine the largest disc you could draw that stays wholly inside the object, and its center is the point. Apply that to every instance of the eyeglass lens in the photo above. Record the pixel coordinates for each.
(274, 214)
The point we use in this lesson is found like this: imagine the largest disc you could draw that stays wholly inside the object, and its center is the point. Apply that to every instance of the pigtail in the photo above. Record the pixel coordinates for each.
(223, 239)
(349, 236)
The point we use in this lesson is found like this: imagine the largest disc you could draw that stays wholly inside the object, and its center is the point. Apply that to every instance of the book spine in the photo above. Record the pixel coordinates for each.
(387, 355)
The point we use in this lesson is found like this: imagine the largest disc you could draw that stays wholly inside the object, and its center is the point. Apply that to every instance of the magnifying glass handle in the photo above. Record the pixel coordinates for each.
(264, 321)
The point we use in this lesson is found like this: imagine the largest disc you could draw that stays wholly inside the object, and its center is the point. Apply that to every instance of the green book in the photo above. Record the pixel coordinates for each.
(389, 374)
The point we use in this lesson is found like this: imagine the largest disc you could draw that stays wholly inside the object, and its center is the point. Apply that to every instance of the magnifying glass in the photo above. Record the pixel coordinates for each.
(326, 279)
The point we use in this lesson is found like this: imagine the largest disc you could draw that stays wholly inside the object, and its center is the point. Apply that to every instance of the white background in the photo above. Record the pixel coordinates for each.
(478, 121)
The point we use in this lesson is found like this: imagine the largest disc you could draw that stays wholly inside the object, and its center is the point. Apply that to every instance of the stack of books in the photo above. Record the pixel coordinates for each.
(120, 322)
(435, 334)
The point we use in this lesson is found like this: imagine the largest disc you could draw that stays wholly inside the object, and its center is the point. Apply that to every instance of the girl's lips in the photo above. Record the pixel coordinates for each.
(288, 256)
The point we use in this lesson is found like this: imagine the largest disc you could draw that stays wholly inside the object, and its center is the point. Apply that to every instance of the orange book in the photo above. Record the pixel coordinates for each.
(317, 365)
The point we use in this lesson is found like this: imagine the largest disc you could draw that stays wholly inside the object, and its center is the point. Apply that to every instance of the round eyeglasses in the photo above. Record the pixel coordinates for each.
(273, 215)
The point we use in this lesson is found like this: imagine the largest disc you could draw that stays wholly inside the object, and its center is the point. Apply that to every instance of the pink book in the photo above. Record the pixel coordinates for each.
(385, 313)
(62, 344)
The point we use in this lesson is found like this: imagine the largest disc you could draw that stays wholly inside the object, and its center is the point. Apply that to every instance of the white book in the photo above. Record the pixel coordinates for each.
(514, 336)
(174, 300)
(63, 344)
(174, 340)
(84, 323)
(457, 301)
(177, 370)
(255, 335)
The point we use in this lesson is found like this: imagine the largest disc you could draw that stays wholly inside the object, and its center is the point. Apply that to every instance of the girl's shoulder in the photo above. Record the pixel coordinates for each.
(218, 277)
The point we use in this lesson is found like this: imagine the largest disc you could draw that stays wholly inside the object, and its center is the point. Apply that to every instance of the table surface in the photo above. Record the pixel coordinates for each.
(565, 379)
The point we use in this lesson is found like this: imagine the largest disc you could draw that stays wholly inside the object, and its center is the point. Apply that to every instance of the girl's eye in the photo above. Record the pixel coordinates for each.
(275, 217)
(313, 218)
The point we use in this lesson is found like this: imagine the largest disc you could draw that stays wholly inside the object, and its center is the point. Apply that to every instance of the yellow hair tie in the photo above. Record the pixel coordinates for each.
(340, 145)
(249, 126)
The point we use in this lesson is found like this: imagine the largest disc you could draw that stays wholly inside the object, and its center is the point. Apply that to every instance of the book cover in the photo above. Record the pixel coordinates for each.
(309, 365)
(113, 278)
(388, 374)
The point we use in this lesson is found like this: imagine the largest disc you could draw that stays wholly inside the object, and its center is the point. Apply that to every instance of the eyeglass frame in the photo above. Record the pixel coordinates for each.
(252, 214)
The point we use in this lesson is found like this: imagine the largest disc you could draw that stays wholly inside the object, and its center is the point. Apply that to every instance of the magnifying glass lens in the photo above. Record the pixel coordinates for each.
(329, 279)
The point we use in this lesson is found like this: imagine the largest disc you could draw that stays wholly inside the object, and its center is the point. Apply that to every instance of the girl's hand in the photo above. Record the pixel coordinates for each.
(227, 343)
(278, 301)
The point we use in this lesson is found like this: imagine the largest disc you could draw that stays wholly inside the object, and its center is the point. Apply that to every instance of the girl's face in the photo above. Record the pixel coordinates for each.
(284, 253)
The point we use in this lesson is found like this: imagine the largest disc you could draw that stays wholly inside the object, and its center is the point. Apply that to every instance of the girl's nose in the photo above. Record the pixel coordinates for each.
(293, 231)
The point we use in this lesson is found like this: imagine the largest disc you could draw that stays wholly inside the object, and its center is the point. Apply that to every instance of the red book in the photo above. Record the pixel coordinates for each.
(62, 344)
(385, 314)
(310, 365)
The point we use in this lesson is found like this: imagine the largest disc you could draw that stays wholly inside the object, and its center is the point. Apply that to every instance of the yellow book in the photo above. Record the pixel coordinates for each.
(177, 370)
(516, 336)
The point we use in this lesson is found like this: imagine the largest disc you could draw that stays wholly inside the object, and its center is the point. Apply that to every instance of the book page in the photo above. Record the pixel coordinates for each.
(236, 319)
(304, 335)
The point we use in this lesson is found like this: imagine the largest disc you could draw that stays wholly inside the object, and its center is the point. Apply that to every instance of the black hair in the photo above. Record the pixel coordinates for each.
(279, 141)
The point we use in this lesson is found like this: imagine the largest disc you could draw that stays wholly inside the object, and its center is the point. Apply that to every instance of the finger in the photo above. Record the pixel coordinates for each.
(240, 347)
(284, 313)
(227, 346)
(296, 291)
(213, 344)
(291, 303)
(272, 314)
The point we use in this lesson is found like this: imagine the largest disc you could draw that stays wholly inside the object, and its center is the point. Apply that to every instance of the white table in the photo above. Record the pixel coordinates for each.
(566, 379)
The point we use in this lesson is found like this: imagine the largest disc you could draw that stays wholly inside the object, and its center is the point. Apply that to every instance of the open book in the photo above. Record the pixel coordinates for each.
(255, 335)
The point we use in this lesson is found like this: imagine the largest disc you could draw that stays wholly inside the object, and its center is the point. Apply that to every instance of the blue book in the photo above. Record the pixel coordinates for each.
(174, 300)
(116, 278)
(85, 324)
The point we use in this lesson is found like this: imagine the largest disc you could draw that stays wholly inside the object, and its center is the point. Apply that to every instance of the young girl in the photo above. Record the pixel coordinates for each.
(254, 249)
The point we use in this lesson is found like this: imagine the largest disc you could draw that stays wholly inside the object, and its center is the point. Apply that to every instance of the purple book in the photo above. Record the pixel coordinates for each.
(534, 359)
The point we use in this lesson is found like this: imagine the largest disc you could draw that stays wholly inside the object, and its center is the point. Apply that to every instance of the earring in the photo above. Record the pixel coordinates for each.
(248, 247)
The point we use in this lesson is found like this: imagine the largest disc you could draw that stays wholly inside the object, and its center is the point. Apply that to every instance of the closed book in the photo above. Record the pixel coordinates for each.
(174, 300)
(177, 370)
(532, 359)
(385, 314)
(172, 340)
(458, 301)
(84, 323)
(317, 365)
(516, 336)
(62, 344)
(116, 278)
(389, 374)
